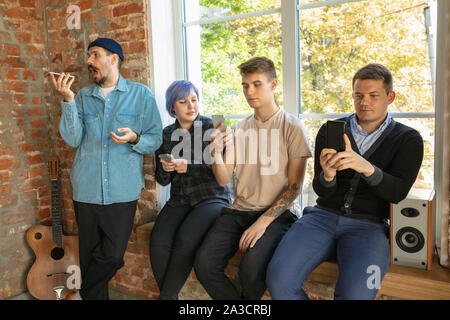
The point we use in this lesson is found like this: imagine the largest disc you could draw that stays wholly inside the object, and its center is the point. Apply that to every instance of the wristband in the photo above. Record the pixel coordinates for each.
(135, 141)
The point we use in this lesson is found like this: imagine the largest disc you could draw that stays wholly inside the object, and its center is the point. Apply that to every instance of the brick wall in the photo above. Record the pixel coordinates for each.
(34, 37)
(24, 137)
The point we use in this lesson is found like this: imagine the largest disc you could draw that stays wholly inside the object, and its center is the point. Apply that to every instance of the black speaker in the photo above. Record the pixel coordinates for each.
(412, 230)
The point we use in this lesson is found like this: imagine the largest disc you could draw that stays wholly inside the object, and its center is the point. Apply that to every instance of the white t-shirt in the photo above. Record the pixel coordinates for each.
(104, 92)
(262, 151)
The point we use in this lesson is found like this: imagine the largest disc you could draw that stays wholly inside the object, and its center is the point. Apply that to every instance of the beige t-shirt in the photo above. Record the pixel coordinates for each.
(262, 151)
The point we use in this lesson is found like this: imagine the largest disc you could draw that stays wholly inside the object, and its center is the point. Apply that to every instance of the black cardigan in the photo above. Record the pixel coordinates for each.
(396, 155)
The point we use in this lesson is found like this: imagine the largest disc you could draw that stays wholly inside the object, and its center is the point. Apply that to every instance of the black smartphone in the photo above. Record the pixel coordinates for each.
(335, 135)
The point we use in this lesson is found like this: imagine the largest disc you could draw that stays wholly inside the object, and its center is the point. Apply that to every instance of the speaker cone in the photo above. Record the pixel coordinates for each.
(410, 239)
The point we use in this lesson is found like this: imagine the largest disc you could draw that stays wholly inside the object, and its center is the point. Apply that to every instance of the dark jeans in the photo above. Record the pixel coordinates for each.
(176, 236)
(221, 243)
(362, 249)
(103, 233)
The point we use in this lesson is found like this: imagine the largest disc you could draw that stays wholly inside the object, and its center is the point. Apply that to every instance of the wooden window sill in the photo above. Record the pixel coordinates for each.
(399, 282)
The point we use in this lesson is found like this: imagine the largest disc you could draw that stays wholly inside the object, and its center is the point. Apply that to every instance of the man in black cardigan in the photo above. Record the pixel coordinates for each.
(379, 165)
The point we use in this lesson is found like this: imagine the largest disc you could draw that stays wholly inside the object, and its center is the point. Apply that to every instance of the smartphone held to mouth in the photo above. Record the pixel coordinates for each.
(57, 74)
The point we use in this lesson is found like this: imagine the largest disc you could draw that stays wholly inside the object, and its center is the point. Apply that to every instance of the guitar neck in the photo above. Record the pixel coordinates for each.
(56, 214)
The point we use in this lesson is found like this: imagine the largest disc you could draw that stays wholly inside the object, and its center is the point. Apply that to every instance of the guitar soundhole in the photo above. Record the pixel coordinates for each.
(38, 236)
(57, 253)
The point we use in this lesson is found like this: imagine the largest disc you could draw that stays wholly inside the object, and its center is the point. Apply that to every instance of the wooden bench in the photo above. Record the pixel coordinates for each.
(399, 283)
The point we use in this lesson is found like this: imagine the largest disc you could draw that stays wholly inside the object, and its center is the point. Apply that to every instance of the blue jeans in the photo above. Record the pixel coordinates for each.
(361, 247)
(176, 236)
(221, 243)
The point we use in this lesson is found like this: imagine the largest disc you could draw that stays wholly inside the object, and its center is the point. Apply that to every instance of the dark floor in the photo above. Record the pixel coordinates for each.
(113, 295)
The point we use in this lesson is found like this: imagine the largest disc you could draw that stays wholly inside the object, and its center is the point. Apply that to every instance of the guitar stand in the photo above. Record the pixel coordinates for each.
(58, 290)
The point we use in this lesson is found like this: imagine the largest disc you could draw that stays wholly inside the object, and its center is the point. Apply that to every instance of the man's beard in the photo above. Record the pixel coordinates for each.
(101, 81)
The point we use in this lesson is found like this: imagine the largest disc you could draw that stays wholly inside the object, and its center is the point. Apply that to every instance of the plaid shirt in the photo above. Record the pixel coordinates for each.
(198, 183)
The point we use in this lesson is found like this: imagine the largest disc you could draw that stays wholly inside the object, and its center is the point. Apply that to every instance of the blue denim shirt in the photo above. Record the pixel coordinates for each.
(104, 172)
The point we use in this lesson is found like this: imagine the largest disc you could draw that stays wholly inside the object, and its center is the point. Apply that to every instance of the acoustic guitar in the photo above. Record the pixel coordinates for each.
(56, 254)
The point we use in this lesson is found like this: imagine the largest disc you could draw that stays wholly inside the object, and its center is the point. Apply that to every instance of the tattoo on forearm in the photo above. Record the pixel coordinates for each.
(284, 201)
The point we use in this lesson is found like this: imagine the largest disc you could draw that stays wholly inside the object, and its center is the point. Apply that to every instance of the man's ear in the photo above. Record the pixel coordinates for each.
(273, 84)
(391, 97)
(114, 58)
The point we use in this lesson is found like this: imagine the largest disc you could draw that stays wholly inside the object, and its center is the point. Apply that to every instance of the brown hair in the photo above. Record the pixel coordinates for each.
(259, 65)
(375, 71)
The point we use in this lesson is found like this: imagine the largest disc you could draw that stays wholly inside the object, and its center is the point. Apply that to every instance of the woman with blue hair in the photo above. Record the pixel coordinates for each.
(196, 199)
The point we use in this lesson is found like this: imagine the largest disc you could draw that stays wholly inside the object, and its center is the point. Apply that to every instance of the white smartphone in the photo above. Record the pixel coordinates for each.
(218, 119)
(167, 157)
(57, 74)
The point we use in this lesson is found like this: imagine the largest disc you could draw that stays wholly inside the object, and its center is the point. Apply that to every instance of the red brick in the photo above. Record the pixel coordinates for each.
(6, 164)
(35, 159)
(37, 134)
(37, 182)
(15, 85)
(44, 213)
(13, 62)
(19, 98)
(20, 122)
(127, 9)
(4, 188)
(36, 100)
(34, 50)
(27, 74)
(37, 124)
(6, 151)
(15, 13)
(37, 171)
(105, 3)
(117, 24)
(4, 177)
(12, 50)
(25, 147)
(27, 3)
(24, 37)
(87, 16)
(147, 195)
(36, 111)
(12, 74)
(137, 47)
(85, 4)
(47, 202)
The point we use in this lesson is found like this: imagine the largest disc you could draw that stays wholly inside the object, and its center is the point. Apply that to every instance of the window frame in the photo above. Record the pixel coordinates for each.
(291, 72)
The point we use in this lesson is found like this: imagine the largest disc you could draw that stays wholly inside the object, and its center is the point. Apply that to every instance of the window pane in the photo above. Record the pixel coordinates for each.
(225, 45)
(425, 179)
(211, 9)
(338, 40)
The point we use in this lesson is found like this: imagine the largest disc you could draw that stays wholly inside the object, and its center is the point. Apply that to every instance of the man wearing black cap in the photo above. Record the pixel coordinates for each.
(112, 123)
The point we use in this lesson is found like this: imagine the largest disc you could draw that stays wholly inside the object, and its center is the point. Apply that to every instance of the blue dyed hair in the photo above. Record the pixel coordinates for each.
(178, 90)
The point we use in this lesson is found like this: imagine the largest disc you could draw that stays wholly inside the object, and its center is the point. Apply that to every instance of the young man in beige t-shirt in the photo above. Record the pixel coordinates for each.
(269, 152)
